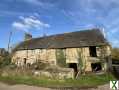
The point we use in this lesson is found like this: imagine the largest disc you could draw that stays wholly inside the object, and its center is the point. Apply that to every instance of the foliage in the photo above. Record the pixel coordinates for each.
(81, 65)
(61, 58)
(5, 60)
(115, 53)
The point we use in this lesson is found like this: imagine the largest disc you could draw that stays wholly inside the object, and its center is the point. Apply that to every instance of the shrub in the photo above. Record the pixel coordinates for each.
(6, 60)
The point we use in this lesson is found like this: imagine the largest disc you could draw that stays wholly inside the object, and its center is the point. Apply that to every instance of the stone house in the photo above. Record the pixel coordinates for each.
(87, 50)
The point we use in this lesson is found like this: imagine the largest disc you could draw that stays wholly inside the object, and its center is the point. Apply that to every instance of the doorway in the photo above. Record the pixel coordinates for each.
(74, 66)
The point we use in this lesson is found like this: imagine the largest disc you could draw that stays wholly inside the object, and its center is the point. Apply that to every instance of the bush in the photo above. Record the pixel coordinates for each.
(6, 60)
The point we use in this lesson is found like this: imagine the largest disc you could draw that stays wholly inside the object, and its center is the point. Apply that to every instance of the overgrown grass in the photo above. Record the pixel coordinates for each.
(83, 81)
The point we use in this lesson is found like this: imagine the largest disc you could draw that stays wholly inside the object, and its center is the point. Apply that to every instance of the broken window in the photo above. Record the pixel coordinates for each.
(93, 52)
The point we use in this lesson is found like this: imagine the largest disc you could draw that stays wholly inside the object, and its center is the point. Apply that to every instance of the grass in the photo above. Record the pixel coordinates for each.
(83, 81)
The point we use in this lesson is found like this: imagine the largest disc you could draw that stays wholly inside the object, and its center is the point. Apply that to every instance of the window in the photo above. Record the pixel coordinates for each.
(93, 52)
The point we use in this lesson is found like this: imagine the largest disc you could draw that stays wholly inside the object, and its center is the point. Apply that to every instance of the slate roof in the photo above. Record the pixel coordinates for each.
(84, 38)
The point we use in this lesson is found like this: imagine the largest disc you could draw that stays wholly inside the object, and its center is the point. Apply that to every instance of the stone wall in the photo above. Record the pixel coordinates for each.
(73, 55)
(33, 56)
(78, 55)
(56, 73)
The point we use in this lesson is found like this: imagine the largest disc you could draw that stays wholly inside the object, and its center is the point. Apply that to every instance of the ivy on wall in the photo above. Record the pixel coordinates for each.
(61, 57)
(82, 62)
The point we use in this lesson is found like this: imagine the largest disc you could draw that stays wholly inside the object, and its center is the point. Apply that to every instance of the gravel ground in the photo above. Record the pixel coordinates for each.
(26, 87)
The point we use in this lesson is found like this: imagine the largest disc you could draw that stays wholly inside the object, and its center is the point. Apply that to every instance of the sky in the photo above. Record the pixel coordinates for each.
(48, 17)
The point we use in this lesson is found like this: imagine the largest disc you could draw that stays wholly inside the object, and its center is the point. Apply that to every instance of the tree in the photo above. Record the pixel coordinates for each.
(5, 60)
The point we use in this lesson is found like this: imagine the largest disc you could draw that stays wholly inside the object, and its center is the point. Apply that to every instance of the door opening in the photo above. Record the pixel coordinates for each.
(74, 66)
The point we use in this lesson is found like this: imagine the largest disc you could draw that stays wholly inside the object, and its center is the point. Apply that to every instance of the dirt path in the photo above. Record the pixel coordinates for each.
(103, 87)
(26, 87)
(20, 87)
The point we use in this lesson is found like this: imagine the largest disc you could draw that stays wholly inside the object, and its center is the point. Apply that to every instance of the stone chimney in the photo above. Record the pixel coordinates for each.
(27, 36)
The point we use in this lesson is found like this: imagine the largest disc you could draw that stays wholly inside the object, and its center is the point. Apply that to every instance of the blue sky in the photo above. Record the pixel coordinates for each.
(40, 17)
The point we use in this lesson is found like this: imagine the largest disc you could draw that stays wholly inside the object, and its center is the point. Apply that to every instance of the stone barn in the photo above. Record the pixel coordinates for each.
(86, 50)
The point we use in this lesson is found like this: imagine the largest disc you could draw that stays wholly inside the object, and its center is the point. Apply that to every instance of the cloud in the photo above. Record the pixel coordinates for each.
(29, 23)
(9, 13)
(36, 14)
(94, 8)
(98, 4)
(35, 2)
(86, 26)
(42, 4)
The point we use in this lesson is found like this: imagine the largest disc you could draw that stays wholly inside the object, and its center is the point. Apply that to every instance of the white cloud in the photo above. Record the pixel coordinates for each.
(28, 23)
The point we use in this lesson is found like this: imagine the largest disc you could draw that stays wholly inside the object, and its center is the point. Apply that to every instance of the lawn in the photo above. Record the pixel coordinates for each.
(83, 81)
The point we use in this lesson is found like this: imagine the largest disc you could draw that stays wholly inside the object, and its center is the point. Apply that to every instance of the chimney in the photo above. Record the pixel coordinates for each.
(27, 36)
